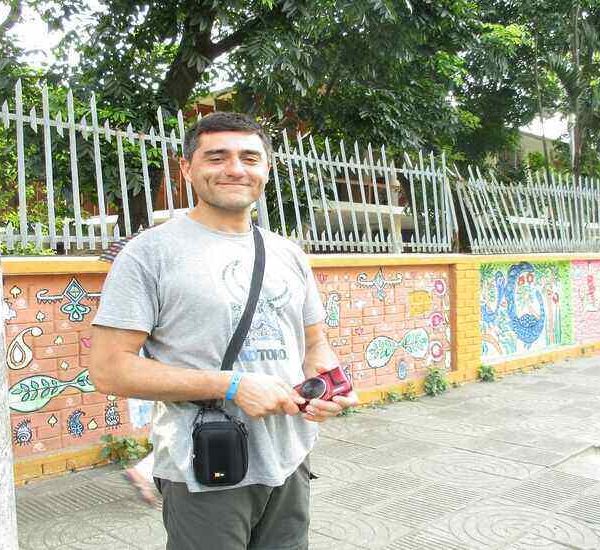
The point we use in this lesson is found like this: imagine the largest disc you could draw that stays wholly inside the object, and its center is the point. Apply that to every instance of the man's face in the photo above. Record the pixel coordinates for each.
(228, 169)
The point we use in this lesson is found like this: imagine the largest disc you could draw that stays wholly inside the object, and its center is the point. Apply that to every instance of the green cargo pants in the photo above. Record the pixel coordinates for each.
(254, 517)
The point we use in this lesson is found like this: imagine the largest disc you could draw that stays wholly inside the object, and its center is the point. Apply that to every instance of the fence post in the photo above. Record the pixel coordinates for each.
(8, 514)
(263, 213)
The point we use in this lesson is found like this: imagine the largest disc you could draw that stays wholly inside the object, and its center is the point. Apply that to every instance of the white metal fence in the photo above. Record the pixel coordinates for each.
(327, 197)
(327, 201)
(546, 214)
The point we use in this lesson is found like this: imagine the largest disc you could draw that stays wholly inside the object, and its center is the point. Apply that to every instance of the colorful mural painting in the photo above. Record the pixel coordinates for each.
(388, 325)
(51, 397)
(585, 280)
(525, 308)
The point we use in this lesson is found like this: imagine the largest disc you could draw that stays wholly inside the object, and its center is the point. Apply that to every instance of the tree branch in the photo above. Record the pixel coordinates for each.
(12, 18)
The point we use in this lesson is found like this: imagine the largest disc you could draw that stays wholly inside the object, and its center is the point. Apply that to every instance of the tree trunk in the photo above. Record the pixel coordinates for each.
(536, 71)
(8, 514)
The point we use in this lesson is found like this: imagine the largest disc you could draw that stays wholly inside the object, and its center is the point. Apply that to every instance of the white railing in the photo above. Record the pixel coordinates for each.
(327, 201)
(546, 214)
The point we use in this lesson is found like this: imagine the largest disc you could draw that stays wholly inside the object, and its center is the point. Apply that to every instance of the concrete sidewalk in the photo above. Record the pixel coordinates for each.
(510, 464)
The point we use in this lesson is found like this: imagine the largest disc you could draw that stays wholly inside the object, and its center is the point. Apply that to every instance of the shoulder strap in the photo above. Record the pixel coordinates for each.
(237, 340)
(241, 331)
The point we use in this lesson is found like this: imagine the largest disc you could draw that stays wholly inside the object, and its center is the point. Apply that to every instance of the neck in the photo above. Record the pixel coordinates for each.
(228, 221)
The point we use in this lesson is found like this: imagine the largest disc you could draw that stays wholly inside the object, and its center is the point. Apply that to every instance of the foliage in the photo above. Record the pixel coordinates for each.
(349, 411)
(124, 450)
(392, 397)
(410, 392)
(435, 381)
(486, 373)
(27, 250)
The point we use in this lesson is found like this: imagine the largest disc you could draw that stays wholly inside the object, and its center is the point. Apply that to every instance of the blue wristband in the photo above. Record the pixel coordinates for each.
(233, 386)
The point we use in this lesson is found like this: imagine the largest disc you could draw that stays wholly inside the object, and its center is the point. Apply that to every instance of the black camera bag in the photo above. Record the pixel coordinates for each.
(220, 447)
(220, 451)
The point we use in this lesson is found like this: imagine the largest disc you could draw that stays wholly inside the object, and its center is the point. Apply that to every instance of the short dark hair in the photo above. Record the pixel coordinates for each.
(220, 121)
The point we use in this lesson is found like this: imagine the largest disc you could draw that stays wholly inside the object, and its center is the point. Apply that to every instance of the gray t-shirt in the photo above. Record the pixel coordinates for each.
(186, 286)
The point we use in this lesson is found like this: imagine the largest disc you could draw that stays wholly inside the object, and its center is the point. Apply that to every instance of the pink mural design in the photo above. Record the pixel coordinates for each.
(585, 277)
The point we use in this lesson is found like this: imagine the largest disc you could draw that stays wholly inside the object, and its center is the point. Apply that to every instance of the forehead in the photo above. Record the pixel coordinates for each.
(230, 141)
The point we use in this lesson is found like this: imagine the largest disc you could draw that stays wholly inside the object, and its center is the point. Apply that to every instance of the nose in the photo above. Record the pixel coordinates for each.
(234, 167)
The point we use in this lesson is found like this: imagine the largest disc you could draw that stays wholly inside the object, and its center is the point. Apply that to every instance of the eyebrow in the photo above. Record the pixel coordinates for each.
(210, 152)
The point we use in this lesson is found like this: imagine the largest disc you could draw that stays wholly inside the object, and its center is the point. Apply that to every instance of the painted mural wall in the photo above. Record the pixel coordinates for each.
(52, 400)
(387, 324)
(525, 308)
(585, 276)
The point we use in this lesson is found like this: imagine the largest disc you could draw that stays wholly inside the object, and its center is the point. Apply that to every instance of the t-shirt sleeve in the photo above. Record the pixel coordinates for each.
(129, 296)
(312, 311)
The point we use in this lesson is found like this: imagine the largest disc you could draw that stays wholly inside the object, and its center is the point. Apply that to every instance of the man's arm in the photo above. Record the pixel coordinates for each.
(117, 368)
(319, 357)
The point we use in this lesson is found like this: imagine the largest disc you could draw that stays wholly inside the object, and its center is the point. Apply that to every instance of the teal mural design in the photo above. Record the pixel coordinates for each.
(35, 392)
(74, 293)
(380, 350)
(379, 283)
(525, 307)
(23, 434)
(332, 310)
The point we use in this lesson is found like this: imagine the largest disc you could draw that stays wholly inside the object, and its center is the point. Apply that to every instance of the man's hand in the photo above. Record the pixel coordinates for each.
(261, 395)
(318, 410)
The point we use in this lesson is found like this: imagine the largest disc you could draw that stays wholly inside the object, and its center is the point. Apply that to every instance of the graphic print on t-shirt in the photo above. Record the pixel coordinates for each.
(265, 340)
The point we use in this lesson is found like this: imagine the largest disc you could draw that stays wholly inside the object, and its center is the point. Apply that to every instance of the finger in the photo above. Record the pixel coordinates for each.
(297, 398)
(290, 408)
(312, 417)
(321, 406)
(345, 401)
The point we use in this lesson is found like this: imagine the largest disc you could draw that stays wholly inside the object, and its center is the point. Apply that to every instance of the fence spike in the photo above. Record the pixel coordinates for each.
(59, 124)
(66, 234)
(10, 236)
(152, 135)
(5, 119)
(91, 236)
(84, 128)
(39, 237)
(107, 132)
(33, 121)
(173, 139)
(130, 134)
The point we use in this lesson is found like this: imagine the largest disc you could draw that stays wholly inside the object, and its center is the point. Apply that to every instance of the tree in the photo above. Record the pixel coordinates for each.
(384, 71)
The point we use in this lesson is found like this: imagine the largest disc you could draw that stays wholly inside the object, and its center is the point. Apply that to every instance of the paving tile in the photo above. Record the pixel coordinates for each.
(354, 528)
(59, 532)
(490, 524)
(480, 467)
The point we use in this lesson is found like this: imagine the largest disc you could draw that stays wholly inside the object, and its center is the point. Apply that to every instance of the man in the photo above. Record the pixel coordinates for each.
(178, 290)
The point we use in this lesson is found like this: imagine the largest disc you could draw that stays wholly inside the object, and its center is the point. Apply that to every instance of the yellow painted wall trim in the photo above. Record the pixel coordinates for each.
(45, 265)
(52, 265)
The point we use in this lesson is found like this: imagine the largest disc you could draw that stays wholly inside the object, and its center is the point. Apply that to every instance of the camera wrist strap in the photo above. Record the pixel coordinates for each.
(241, 331)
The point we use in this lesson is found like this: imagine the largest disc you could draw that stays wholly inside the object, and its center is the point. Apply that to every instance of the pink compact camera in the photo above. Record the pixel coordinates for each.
(324, 386)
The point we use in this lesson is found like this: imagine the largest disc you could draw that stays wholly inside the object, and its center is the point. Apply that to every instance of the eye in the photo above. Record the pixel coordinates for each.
(251, 159)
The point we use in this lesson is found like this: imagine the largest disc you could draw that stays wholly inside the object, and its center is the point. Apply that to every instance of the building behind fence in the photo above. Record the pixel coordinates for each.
(332, 198)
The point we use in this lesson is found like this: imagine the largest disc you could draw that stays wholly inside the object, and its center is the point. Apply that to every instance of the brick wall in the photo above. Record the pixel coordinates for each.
(388, 319)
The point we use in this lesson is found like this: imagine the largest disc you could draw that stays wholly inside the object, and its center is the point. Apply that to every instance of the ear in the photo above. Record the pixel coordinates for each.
(184, 166)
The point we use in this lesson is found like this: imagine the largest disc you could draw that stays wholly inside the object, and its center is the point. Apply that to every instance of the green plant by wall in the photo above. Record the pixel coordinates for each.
(392, 397)
(124, 450)
(486, 373)
(435, 381)
(27, 250)
(410, 392)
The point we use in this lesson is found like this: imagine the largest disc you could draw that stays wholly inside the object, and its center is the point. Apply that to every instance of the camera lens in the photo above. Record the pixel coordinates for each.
(313, 388)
